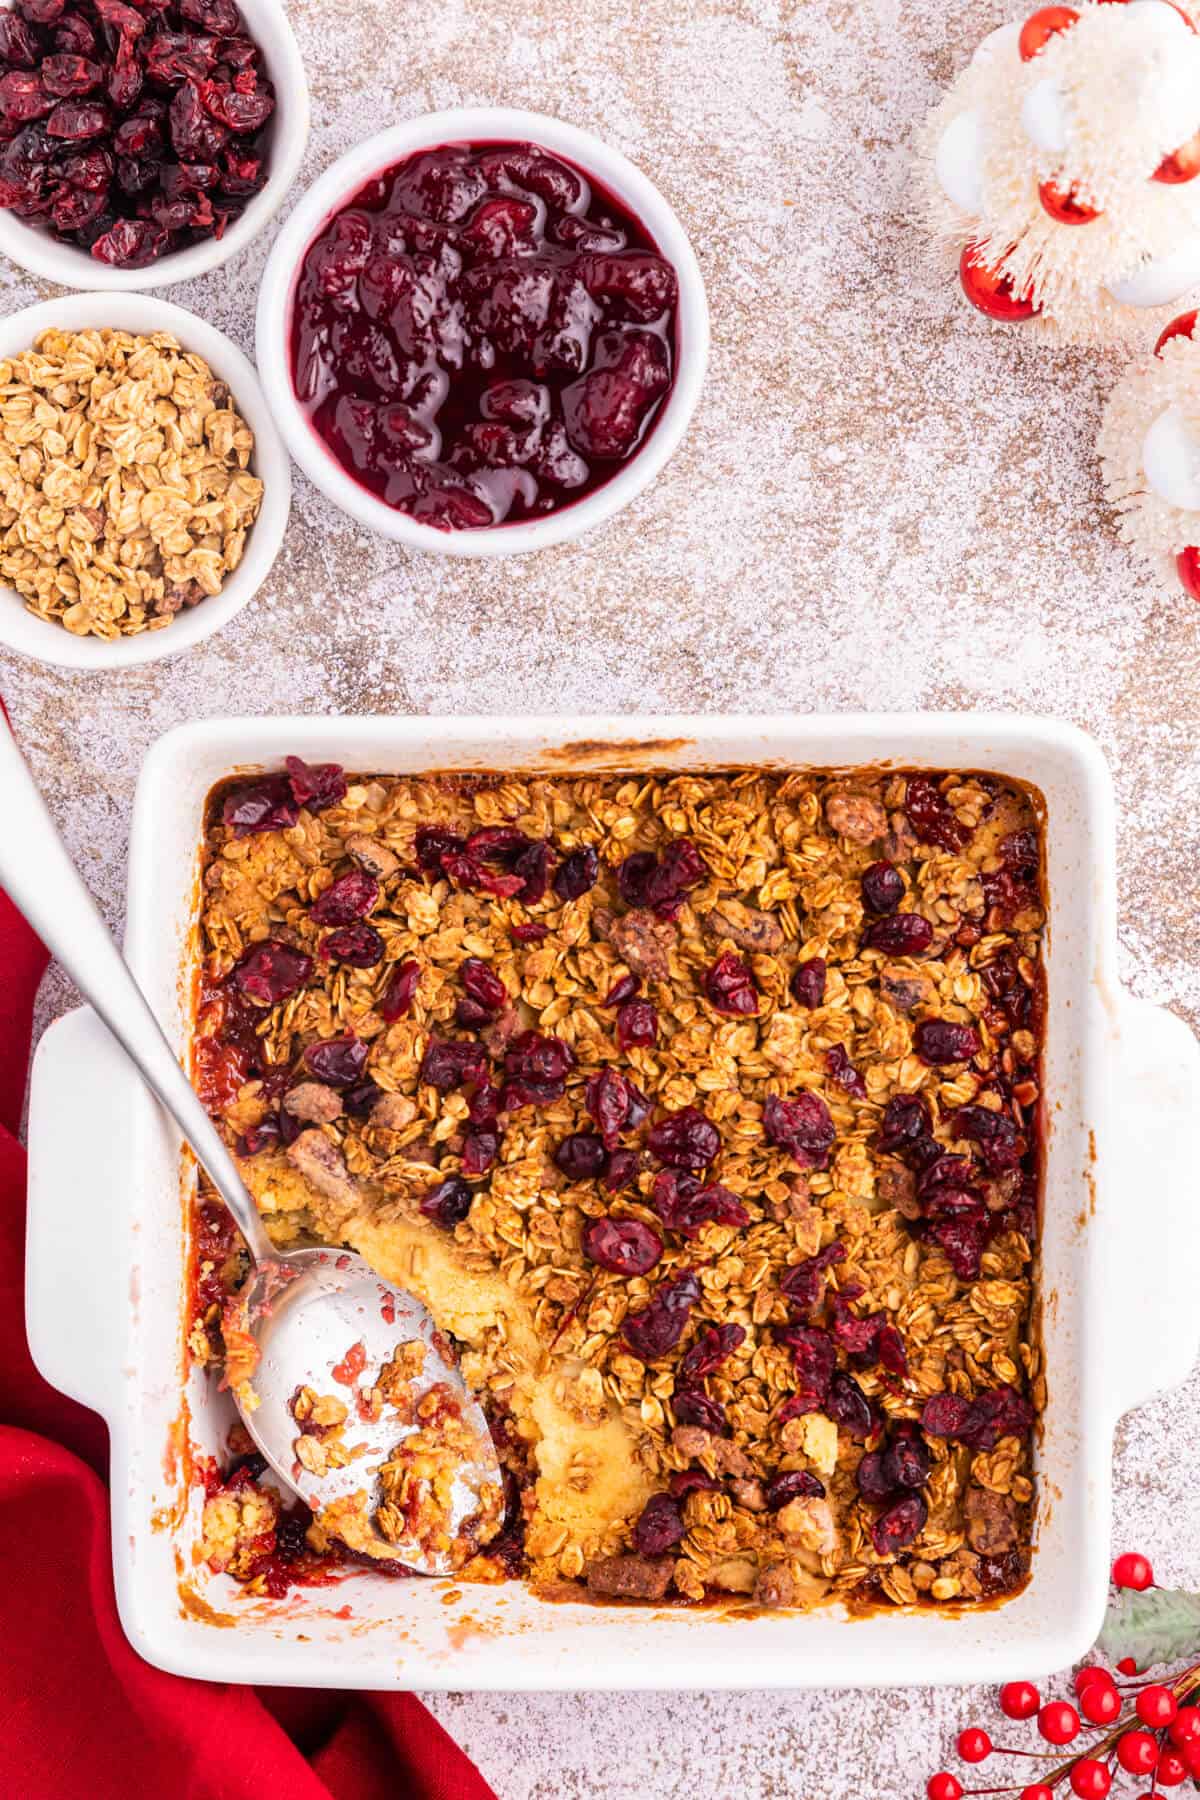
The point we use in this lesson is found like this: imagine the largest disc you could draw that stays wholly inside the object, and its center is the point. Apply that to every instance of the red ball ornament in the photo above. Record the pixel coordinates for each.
(1099, 1702)
(1171, 1769)
(1058, 1722)
(1127, 1666)
(1187, 563)
(1182, 164)
(943, 1786)
(1019, 1700)
(1191, 1759)
(1090, 1779)
(1063, 206)
(1041, 26)
(1133, 1571)
(1183, 326)
(1092, 1672)
(1137, 1752)
(974, 1744)
(1156, 1706)
(992, 292)
(1186, 1727)
(1039, 1791)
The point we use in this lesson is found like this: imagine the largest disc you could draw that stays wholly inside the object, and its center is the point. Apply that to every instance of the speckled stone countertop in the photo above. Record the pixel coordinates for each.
(884, 502)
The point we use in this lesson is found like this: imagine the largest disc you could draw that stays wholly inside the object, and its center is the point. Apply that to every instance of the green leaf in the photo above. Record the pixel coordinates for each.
(1160, 1626)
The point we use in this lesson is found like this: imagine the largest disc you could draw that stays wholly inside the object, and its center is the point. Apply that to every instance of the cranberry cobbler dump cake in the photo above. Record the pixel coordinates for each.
(701, 1111)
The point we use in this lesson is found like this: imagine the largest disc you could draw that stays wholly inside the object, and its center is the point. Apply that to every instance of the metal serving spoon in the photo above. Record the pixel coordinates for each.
(306, 1310)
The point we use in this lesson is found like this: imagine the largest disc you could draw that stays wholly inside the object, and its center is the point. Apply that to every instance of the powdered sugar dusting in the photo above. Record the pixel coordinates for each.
(884, 502)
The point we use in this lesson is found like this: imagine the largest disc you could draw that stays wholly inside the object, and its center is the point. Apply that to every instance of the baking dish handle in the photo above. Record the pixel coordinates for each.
(78, 1280)
(1153, 1311)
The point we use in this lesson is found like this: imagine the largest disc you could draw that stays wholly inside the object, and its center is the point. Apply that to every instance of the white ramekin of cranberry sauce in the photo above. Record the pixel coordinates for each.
(482, 332)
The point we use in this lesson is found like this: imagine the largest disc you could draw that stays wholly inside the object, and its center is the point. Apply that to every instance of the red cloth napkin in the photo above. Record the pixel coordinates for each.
(80, 1713)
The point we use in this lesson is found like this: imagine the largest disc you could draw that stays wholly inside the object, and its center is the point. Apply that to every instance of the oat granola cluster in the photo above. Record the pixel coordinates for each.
(702, 1111)
(125, 492)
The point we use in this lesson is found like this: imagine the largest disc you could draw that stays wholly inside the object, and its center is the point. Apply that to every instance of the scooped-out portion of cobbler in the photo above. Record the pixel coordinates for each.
(701, 1110)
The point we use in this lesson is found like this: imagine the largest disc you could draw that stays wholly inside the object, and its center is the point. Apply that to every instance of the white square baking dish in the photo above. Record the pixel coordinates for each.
(107, 1249)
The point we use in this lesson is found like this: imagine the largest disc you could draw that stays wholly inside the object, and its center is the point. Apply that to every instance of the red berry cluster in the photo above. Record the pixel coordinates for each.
(1150, 1729)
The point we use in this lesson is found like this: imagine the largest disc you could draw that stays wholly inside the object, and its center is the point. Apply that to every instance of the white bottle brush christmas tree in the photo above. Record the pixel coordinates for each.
(1149, 449)
(1063, 168)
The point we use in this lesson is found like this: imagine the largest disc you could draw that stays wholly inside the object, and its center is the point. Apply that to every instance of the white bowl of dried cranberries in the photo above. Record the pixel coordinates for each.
(482, 332)
(144, 145)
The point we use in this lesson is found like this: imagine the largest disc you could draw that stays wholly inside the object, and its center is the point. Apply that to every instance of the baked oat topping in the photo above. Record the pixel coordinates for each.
(745, 1285)
(125, 492)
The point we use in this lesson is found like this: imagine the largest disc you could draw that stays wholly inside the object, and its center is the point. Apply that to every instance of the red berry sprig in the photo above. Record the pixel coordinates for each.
(1149, 1729)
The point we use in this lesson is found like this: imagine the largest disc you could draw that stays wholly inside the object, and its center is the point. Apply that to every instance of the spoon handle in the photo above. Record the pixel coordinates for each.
(43, 883)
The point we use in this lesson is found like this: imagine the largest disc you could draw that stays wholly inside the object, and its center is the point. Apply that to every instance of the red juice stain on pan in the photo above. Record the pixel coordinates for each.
(483, 335)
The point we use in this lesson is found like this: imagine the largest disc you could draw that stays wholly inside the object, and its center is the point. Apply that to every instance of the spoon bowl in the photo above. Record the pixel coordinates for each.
(325, 1322)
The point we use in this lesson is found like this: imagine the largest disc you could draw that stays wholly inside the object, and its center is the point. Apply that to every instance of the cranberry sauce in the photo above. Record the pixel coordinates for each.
(481, 335)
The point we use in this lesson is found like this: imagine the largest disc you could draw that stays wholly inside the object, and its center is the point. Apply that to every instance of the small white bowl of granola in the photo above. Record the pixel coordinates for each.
(144, 487)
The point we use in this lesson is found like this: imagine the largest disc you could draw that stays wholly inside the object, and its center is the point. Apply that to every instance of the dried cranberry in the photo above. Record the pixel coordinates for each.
(316, 785)
(67, 77)
(808, 983)
(536, 1067)
(872, 1478)
(470, 1013)
(581, 1156)
(729, 984)
(659, 1326)
(18, 48)
(661, 882)
(904, 934)
(448, 1203)
(452, 1062)
(484, 1104)
(848, 1406)
(530, 932)
(360, 1099)
(577, 872)
(264, 805)
(533, 866)
(23, 98)
(243, 113)
(709, 1351)
(941, 1041)
(659, 1527)
(637, 1025)
(479, 1151)
(337, 1061)
(882, 887)
(980, 1423)
(1001, 1146)
(621, 991)
(132, 244)
(684, 1205)
(433, 844)
(840, 1069)
(890, 1352)
(483, 984)
(802, 1127)
(622, 1171)
(694, 1407)
(42, 12)
(804, 1282)
(622, 1246)
(358, 945)
(903, 1521)
(270, 972)
(610, 1100)
(123, 19)
(691, 1481)
(963, 1238)
(906, 1460)
(400, 992)
(685, 1139)
(905, 1123)
(930, 815)
(814, 1359)
(349, 898)
(259, 1137)
(792, 1484)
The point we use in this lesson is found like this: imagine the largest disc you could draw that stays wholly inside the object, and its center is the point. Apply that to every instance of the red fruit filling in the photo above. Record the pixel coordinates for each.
(482, 335)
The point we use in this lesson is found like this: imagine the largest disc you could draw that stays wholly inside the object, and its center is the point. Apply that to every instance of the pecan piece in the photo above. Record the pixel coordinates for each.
(313, 1101)
(906, 989)
(323, 1164)
(392, 1112)
(896, 1186)
(639, 939)
(372, 856)
(855, 816)
(746, 926)
(629, 1577)
(775, 1586)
